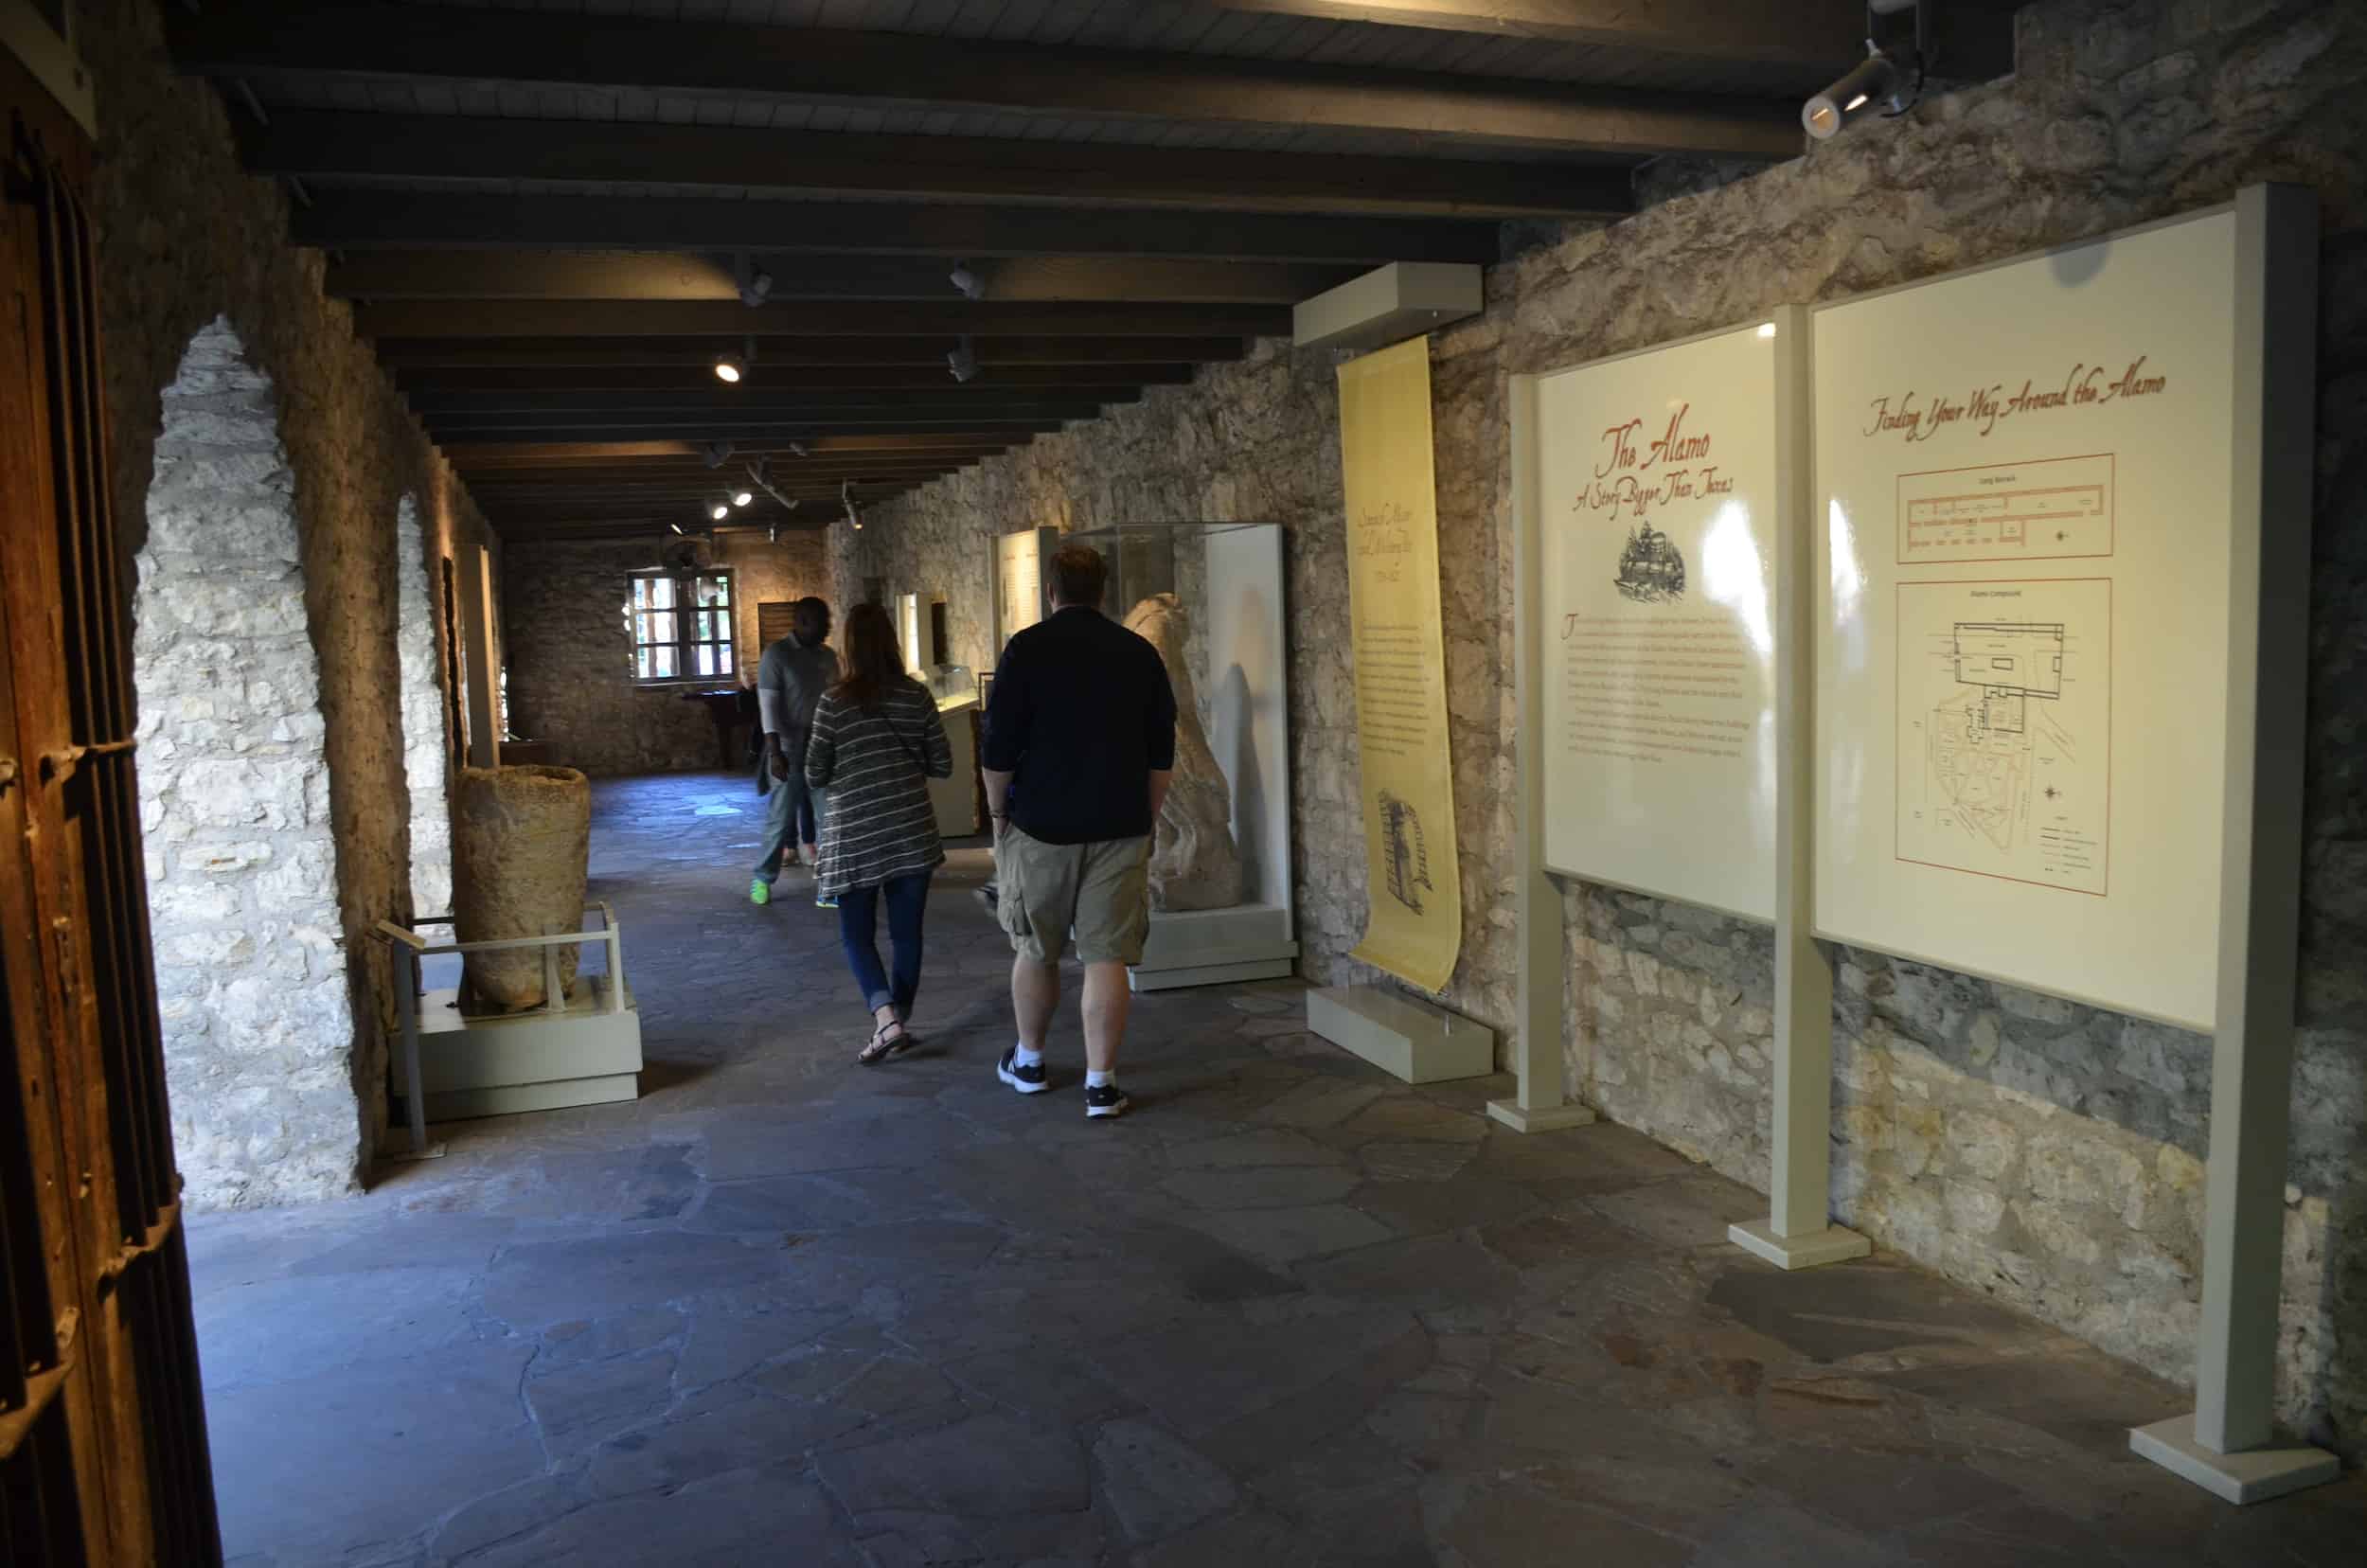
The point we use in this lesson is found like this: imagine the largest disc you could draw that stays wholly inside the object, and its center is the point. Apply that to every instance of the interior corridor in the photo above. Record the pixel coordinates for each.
(788, 1311)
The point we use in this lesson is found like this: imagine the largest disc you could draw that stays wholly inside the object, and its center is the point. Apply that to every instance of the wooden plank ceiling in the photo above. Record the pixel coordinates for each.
(552, 216)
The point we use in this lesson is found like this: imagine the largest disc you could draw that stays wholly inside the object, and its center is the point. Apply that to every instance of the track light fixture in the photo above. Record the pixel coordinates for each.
(720, 510)
(676, 526)
(1888, 81)
(729, 369)
(963, 361)
(757, 290)
(970, 284)
(742, 497)
(846, 499)
(797, 449)
(717, 453)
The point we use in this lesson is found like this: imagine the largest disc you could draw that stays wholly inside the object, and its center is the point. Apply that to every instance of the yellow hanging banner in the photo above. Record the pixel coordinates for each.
(1415, 927)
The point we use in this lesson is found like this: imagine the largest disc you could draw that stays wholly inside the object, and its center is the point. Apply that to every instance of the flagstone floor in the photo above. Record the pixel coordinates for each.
(788, 1311)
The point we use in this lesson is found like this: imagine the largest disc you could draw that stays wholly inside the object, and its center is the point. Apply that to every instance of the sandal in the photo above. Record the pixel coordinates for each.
(891, 1039)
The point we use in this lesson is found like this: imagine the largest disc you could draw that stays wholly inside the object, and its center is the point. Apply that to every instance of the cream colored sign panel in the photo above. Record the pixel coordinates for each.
(2024, 476)
(1658, 487)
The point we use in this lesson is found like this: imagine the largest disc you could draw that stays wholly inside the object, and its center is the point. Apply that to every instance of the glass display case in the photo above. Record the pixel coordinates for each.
(1209, 596)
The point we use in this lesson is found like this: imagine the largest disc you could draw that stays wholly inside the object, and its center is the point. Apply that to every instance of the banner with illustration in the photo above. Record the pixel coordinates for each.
(1415, 927)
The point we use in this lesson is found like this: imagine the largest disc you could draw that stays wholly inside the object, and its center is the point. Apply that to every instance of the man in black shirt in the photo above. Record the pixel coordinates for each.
(1081, 744)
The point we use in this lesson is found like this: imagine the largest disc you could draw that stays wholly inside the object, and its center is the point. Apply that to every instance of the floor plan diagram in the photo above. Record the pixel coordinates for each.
(2005, 721)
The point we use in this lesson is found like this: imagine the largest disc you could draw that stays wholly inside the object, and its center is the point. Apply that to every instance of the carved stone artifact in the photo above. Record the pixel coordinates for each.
(520, 843)
(1194, 862)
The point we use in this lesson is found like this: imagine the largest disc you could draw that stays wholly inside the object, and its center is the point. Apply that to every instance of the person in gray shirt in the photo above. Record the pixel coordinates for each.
(790, 679)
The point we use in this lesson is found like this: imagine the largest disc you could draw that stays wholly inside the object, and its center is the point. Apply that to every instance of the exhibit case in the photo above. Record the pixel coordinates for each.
(1209, 596)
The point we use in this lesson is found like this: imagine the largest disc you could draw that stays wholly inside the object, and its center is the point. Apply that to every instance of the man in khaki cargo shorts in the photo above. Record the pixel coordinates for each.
(1080, 742)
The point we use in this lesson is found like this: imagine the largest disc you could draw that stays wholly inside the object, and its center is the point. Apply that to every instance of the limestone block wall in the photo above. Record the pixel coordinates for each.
(567, 647)
(186, 237)
(426, 740)
(2045, 1153)
(234, 803)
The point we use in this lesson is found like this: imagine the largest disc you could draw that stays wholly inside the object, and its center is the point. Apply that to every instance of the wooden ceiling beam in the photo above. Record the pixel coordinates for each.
(593, 427)
(356, 43)
(1118, 382)
(1815, 33)
(773, 354)
(412, 275)
(954, 400)
(360, 220)
(612, 449)
(326, 144)
(729, 320)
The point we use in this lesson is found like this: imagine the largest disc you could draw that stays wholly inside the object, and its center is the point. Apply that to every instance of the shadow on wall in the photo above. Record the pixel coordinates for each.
(234, 804)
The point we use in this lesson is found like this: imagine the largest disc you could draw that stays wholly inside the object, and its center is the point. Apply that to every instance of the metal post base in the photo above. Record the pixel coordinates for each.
(1811, 1250)
(2248, 1475)
(1542, 1119)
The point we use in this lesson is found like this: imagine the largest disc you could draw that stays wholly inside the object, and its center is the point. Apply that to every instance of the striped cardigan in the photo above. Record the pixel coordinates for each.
(878, 822)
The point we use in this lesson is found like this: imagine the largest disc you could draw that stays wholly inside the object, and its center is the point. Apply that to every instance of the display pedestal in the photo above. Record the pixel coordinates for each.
(1542, 1119)
(590, 1054)
(1809, 1250)
(1211, 947)
(2248, 1475)
(1406, 1038)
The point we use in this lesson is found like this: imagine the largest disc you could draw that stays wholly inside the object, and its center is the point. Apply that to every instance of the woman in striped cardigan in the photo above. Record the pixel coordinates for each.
(875, 744)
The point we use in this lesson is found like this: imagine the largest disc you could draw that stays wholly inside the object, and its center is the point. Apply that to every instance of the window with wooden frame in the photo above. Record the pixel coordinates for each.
(681, 626)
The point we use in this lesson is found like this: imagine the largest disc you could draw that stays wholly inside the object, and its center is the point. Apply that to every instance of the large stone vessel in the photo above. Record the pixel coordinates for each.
(1194, 862)
(521, 840)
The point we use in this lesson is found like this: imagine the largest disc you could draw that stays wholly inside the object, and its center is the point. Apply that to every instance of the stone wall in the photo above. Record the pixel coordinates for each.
(568, 648)
(234, 803)
(185, 238)
(2045, 1153)
(426, 735)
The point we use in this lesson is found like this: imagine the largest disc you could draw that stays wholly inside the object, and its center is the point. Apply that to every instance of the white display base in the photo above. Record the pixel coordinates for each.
(2249, 1475)
(1542, 1118)
(527, 1061)
(1832, 1244)
(1210, 947)
(1409, 1040)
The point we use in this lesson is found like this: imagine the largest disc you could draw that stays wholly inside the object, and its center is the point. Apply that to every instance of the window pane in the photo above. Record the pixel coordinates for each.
(642, 668)
(664, 662)
(662, 592)
(723, 658)
(662, 627)
(706, 658)
(641, 590)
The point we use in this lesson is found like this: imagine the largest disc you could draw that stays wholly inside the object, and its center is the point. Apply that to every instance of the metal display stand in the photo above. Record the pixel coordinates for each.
(583, 1049)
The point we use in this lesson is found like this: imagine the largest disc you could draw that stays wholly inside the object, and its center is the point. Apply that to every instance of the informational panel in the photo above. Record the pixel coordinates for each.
(1414, 929)
(2024, 478)
(1018, 582)
(1658, 495)
(908, 631)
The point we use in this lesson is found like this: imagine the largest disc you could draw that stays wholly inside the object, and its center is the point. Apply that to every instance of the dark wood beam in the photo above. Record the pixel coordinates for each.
(991, 381)
(722, 59)
(371, 219)
(730, 319)
(1792, 32)
(613, 448)
(622, 275)
(635, 425)
(315, 143)
(953, 399)
(777, 353)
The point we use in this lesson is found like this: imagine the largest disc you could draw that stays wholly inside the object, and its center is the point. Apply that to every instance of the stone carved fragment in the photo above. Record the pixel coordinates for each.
(521, 843)
(1194, 862)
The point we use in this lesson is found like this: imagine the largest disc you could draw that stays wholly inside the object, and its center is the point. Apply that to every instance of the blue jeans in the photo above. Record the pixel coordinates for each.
(788, 808)
(907, 900)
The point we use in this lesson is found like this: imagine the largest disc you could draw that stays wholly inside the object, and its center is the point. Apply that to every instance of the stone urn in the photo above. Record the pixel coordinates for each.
(521, 841)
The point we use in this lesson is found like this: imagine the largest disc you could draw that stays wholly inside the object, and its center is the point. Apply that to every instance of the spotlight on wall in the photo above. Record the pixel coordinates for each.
(742, 497)
(1883, 82)
(963, 361)
(728, 368)
(970, 284)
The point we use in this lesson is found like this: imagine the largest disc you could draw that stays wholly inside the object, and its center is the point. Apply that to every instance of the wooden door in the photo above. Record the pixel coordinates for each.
(102, 1433)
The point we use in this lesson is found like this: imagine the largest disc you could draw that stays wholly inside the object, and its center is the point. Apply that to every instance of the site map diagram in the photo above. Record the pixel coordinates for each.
(2004, 710)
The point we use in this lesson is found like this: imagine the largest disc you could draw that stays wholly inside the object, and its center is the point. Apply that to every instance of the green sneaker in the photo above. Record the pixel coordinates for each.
(760, 891)
(823, 900)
